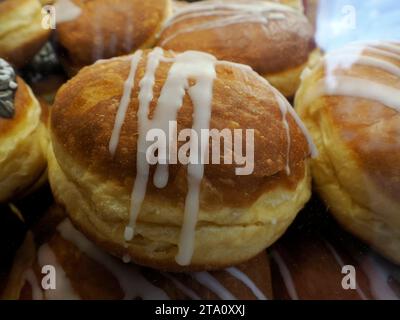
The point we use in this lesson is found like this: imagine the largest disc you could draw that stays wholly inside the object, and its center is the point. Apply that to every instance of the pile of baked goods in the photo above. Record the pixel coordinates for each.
(251, 112)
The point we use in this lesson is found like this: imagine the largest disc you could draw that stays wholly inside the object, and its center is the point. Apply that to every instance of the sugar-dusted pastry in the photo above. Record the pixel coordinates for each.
(21, 31)
(176, 216)
(350, 101)
(91, 30)
(274, 39)
(22, 135)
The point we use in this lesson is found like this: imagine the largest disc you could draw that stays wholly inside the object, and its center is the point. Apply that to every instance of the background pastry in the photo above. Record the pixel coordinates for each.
(99, 29)
(22, 135)
(350, 103)
(55, 241)
(21, 31)
(92, 173)
(278, 39)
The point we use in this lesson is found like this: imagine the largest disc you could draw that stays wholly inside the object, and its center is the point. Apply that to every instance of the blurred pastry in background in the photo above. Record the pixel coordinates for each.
(169, 216)
(274, 39)
(296, 4)
(23, 135)
(91, 30)
(21, 31)
(350, 103)
(311, 11)
(56, 242)
(45, 74)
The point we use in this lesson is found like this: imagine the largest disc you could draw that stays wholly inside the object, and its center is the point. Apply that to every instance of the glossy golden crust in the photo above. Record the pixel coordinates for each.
(280, 45)
(21, 32)
(84, 112)
(357, 171)
(109, 28)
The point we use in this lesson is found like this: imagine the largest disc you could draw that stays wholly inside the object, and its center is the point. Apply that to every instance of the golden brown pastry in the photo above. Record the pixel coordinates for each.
(91, 30)
(197, 220)
(274, 39)
(22, 135)
(350, 103)
(21, 31)
(57, 243)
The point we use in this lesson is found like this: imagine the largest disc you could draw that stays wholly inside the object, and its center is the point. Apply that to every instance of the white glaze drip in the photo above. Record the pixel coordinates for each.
(352, 86)
(64, 289)
(66, 11)
(201, 94)
(285, 273)
(30, 276)
(144, 124)
(341, 263)
(360, 88)
(199, 67)
(208, 281)
(343, 58)
(132, 283)
(378, 272)
(370, 49)
(284, 110)
(247, 281)
(187, 291)
(124, 103)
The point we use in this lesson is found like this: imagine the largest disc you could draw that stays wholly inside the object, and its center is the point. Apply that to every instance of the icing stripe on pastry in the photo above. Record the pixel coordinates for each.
(64, 289)
(353, 86)
(132, 283)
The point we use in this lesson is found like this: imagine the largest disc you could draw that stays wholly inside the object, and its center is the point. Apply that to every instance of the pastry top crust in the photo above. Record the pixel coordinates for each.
(84, 111)
(278, 39)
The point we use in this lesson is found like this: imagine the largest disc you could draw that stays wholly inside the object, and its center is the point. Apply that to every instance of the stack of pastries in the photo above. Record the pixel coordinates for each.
(196, 229)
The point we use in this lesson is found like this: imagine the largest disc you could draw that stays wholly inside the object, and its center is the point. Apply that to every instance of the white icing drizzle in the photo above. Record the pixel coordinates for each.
(64, 289)
(387, 46)
(284, 271)
(356, 87)
(130, 280)
(195, 65)
(227, 13)
(339, 59)
(352, 86)
(201, 94)
(341, 263)
(378, 272)
(187, 291)
(368, 48)
(124, 103)
(211, 283)
(30, 276)
(284, 110)
(247, 281)
(66, 11)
